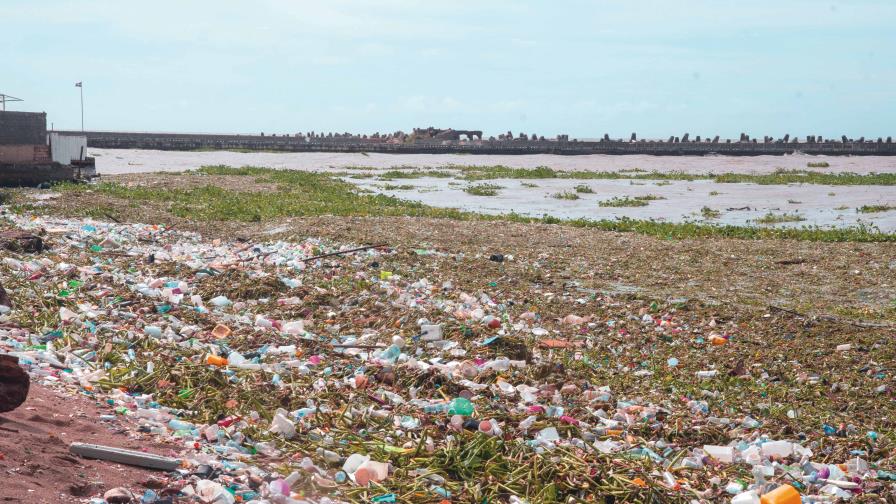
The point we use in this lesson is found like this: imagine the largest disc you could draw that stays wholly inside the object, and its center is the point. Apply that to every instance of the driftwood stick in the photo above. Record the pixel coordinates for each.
(344, 252)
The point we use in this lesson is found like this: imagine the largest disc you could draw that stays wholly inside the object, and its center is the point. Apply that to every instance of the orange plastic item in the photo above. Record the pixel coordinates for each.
(784, 494)
(718, 340)
(214, 360)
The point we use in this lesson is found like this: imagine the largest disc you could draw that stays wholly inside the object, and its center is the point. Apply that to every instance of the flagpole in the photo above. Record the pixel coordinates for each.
(82, 106)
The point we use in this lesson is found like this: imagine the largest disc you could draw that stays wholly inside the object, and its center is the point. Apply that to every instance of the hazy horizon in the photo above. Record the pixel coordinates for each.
(583, 68)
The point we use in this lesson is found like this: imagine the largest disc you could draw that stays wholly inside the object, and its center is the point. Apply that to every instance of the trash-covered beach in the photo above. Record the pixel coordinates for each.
(405, 359)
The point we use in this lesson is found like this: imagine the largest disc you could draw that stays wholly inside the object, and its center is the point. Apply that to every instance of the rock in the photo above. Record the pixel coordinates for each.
(14, 383)
(21, 241)
(118, 496)
(84, 489)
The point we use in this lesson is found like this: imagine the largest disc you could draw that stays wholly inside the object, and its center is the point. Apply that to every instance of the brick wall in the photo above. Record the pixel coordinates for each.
(23, 128)
(16, 153)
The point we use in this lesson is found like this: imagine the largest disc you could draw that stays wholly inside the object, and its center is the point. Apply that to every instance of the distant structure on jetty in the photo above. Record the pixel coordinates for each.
(30, 155)
(440, 141)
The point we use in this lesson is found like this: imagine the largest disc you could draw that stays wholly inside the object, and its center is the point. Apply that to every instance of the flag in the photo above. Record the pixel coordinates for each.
(78, 84)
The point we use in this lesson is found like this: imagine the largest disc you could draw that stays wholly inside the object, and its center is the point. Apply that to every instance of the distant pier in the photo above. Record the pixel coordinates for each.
(561, 146)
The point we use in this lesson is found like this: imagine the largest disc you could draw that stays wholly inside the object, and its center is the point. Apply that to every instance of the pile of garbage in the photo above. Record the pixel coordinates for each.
(370, 374)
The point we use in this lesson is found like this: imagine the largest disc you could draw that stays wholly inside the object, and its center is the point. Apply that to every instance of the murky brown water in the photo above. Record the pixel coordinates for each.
(739, 204)
(137, 161)
(742, 204)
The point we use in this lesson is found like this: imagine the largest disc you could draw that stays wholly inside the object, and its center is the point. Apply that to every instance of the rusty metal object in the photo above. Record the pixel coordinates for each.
(20, 241)
(14, 383)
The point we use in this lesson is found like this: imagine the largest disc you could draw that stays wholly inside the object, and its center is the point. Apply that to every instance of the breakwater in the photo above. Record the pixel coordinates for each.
(671, 147)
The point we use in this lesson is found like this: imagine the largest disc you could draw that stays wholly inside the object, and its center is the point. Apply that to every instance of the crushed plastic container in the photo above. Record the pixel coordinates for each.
(784, 494)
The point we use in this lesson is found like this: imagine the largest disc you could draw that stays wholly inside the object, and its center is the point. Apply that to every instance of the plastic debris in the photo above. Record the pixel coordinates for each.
(285, 372)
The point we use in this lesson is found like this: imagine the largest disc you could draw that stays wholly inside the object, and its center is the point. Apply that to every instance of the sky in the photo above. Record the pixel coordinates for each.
(583, 68)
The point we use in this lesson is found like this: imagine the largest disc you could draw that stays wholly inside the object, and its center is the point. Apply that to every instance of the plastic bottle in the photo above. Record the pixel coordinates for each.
(235, 359)
(721, 453)
(746, 498)
(461, 406)
(216, 360)
(330, 457)
(283, 426)
(390, 354)
(294, 328)
(431, 332)
(526, 424)
(220, 301)
(784, 494)
(436, 408)
(179, 425)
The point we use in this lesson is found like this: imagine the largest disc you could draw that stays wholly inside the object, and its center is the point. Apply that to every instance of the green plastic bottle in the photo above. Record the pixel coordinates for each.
(461, 406)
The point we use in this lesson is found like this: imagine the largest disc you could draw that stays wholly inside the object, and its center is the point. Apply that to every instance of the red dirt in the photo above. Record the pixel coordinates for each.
(35, 465)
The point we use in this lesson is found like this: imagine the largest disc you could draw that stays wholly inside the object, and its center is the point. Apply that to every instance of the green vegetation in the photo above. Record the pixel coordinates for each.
(565, 195)
(483, 189)
(300, 193)
(584, 189)
(875, 208)
(393, 187)
(13, 202)
(809, 177)
(414, 174)
(794, 202)
(690, 230)
(778, 177)
(542, 172)
(313, 194)
(624, 201)
(714, 193)
(771, 218)
(649, 197)
(528, 184)
(709, 213)
(820, 164)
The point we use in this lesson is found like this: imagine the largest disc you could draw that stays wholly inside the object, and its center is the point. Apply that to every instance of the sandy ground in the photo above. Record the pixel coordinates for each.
(35, 464)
